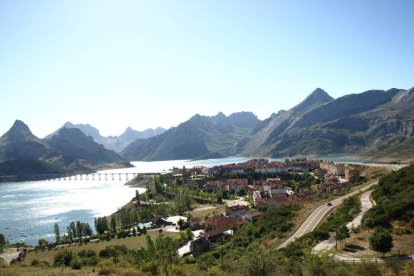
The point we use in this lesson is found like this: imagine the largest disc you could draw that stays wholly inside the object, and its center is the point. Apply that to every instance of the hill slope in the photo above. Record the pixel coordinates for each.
(22, 153)
(394, 196)
(199, 137)
(365, 124)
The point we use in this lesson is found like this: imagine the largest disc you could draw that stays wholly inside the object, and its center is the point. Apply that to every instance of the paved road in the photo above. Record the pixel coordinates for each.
(366, 204)
(393, 167)
(318, 214)
(370, 260)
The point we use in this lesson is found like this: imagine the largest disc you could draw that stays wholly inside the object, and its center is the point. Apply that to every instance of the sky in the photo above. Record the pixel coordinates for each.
(148, 64)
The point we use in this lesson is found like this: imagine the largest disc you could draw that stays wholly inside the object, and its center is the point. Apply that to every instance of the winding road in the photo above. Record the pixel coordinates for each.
(319, 213)
(366, 204)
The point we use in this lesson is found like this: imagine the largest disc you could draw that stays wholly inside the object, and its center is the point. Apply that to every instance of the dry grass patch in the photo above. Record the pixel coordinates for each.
(207, 210)
(358, 246)
(130, 243)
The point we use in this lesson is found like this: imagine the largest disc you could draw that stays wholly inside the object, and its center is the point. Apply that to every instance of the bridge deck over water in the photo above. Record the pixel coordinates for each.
(78, 177)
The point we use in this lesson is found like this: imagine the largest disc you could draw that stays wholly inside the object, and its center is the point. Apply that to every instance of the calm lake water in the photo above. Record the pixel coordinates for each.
(28, 210)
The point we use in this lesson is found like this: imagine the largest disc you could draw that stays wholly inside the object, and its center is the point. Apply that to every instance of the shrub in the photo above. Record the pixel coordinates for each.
(87, 254)
(205, 261)
(35, 262)
(63, 258)
(189, 260)
(113, 251)
(41, 263)
(2, 263)
(150, 267)
(106, 268)
(368, 269)
(76, 263)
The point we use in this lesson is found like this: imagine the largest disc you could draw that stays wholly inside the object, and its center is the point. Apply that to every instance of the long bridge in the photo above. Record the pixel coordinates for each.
(103, 176)
(95, 177)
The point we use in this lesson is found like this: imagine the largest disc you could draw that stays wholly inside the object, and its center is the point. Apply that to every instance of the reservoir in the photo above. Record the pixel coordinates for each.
(28, 210)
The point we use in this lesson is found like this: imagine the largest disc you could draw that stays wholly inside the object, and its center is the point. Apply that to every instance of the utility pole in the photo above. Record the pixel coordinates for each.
(222, 260)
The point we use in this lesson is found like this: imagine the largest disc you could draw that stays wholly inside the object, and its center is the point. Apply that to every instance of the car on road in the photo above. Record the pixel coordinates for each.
(329, 204)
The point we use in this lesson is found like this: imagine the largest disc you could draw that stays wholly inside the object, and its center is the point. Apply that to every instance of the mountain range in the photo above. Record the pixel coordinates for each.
(199, 137)
(115, 143)
(69, 150)
(376, 124)
(373, 124)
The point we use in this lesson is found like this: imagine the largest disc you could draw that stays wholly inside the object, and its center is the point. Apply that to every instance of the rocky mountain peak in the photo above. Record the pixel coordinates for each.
(68, 125)
(19, 131)
(318, 96)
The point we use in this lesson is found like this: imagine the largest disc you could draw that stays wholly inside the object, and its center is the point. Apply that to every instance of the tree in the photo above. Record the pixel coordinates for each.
(101, 225)
(369, 223)
(250, 180)
(57, 232)
(319, 264)
(113, 223)
(79, 228)
(258, 261)
(2, 240)
(219, 199)
(43, 244)
(341, 234)
(137, 197)
(381, 240)
(72, 231)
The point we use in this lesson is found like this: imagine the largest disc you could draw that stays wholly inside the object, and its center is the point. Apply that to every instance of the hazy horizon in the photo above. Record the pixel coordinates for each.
(148, 64)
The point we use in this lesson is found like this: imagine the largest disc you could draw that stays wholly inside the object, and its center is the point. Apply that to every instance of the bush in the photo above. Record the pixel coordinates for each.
(215, 271)
(42, 263)
(106, 268)
(368, 269)
(76, 263)
(63, 258)
(205, 261)
(87, 254)
(2, 263)
(188, 260)
(35, 262)
(88, 257)
(150, 267)
(113, 251)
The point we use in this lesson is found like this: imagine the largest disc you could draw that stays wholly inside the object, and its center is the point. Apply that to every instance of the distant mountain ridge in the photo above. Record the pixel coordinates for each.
(70, 150)
(374, 123)
(199, 137)
(115, 143)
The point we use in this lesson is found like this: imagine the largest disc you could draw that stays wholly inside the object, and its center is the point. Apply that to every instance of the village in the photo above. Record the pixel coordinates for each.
(250, 188)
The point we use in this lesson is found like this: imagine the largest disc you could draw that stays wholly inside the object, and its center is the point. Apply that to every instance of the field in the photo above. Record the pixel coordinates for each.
(207, 210)
(130, 243)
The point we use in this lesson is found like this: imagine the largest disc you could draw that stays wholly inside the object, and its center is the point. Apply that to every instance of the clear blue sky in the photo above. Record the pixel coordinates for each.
(152, 63)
